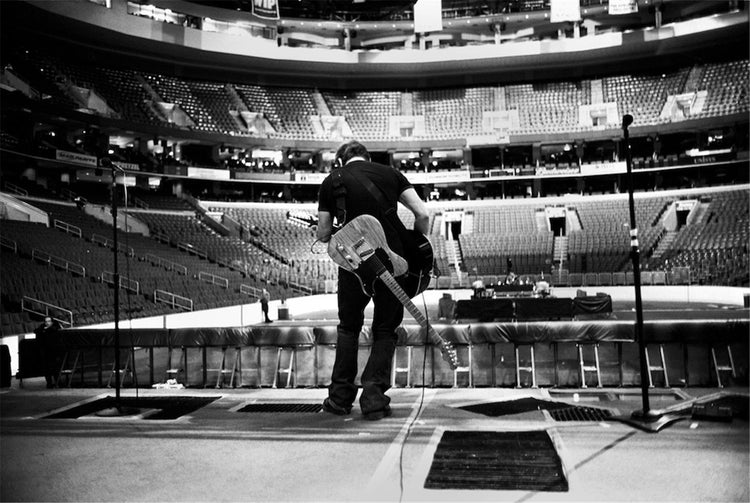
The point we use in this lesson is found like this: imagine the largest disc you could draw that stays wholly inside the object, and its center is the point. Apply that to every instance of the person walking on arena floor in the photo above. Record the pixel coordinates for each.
(264, 298)
(46, 334)
(348, 192)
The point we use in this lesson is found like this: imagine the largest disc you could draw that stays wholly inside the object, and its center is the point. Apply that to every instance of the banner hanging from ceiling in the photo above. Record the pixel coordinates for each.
(266, 9)
(428, 16)
(564, 10)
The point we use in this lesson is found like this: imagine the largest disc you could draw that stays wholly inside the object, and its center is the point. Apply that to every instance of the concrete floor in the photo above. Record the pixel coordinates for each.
(220, 454)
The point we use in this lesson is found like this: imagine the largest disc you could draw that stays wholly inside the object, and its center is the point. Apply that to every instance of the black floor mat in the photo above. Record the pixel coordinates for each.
(490, 460)
(578, 413)
(723, 408)
(283, 407)
(169, 407)
(560, 411)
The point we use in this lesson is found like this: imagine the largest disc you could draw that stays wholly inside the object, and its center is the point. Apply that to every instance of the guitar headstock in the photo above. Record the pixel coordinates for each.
(301, 219)
(449, 354)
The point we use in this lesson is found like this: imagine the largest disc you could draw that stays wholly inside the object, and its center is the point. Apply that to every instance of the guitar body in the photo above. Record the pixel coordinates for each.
(364, 233)
(360, 246)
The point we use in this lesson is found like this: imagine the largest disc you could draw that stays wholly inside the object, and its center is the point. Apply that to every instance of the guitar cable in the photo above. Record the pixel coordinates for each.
(419, 408)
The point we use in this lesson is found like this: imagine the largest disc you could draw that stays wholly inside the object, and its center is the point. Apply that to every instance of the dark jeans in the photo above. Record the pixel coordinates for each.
(376, 376)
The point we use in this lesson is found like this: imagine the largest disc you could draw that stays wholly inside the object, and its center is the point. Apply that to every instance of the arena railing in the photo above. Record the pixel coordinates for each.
(124, 282)
(69, 228)
(108, 243)
(173, 300)
(59, 262)
(9, 244)
(41, 308)
(167, 264)
(213, 279)
(251, 291)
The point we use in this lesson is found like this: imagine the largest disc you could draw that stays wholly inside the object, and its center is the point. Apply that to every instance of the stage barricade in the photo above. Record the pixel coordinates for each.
(543, 309)
(326, 339)
(279, 343)
(530, 309)
(196, 352)
(485, 309)
(428, 366)
(592, 306)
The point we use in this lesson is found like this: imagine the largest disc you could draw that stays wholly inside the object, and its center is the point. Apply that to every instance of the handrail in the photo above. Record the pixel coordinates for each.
(251, 291)
(104, 241)
(296, 287)
(9, 244)
(56, 261)
(125, 283)
(192, 249)
(160, 236)
(167, 264)
(12, 187)
(48, 309)
(69, 228)
(173, 299)
(213, 279)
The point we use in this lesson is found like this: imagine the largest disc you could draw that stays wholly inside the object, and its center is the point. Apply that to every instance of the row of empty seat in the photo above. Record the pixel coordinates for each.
(542, 108)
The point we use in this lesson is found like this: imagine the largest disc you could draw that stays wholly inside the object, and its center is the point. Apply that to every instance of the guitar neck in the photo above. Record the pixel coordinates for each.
(387, 278)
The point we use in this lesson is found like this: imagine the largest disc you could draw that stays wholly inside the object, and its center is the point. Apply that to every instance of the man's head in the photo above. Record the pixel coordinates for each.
(350, 150)
(47, 321)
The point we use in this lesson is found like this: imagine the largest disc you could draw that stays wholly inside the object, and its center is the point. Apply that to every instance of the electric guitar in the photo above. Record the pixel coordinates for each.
(360, 246)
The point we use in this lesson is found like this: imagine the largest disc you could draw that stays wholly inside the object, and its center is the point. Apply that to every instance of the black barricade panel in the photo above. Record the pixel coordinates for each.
(695, 331)
(597, 304)
(485, 309)
(30, 362)
(281, 335)
(544, 309)
(487, 332)
(82, 337)
(211, 336)
(415, 335)
(326, 335)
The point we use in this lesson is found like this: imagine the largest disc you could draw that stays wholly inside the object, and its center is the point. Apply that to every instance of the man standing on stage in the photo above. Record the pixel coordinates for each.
(344, 194)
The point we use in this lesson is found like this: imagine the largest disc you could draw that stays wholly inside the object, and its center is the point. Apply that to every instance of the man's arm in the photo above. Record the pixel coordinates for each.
(411, 200)
(325, 226)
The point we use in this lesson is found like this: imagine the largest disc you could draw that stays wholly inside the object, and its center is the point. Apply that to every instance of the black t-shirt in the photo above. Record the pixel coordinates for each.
(359, 200)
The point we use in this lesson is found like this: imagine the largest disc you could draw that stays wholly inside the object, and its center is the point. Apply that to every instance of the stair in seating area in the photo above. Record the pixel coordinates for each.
(693, 79)
(665, 243)
(454, 252)
(698, 213)
(560, 249)
(320, 103)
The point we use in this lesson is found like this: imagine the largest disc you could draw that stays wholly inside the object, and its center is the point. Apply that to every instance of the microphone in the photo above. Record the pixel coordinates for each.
(627, 120)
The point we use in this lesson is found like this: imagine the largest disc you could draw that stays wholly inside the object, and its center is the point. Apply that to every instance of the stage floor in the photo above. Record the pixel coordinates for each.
(218, 453)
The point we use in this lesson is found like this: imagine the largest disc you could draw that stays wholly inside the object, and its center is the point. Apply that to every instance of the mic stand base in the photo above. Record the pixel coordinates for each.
(649, 421)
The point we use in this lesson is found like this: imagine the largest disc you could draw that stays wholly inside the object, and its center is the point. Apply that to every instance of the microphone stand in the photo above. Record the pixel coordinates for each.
(118, 409)
(646, 418)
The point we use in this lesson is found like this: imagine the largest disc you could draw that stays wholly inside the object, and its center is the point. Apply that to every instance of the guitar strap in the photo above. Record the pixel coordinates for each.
(339, 192)
(391, 215)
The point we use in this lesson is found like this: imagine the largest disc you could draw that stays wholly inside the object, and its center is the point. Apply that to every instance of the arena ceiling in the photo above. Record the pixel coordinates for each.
(25, 24)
